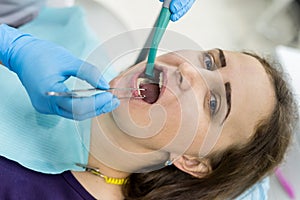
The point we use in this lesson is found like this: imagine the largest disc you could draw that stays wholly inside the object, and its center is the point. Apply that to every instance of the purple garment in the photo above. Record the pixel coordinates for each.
(18, 182)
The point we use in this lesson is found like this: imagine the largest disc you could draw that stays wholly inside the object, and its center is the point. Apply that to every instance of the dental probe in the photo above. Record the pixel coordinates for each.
(160, 27)
(88, 92)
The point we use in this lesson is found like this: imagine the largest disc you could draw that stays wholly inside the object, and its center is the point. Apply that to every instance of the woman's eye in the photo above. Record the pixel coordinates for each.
(213, 104)
(208, 61)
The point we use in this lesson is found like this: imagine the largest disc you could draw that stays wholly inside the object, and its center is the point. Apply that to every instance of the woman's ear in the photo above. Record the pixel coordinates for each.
(195, 166)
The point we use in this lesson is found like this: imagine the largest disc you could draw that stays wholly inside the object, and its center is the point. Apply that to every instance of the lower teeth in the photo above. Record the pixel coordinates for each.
(141, 81)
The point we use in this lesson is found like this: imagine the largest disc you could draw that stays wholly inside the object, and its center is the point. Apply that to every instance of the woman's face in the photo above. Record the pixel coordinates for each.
(207, 101)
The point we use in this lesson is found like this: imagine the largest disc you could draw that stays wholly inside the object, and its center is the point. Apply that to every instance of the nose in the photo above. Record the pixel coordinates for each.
(186, 68)
(196, 76)
(188, 75)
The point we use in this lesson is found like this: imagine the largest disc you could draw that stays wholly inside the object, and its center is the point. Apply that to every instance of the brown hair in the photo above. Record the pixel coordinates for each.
(233, 170)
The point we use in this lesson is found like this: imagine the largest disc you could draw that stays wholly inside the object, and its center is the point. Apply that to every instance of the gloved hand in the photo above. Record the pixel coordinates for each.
(178, 8)
(43, 66)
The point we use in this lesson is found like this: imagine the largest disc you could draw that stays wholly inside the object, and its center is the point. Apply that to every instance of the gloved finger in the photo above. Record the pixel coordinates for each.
(92, 75)
(179, 8)
(177, 5)
(108, 107)
(161, 0)
(63, 113)
(82, 106)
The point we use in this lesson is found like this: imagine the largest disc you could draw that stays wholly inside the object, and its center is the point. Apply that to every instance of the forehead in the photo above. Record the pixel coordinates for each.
(252, 94)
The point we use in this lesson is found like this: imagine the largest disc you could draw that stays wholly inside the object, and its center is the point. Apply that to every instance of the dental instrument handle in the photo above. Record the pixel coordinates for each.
(163, 21)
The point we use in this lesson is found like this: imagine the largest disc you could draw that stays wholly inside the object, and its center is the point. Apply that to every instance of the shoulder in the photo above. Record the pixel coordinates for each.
(18, 182)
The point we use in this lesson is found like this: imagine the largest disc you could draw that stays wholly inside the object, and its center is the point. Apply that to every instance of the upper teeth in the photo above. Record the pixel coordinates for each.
(160, 80)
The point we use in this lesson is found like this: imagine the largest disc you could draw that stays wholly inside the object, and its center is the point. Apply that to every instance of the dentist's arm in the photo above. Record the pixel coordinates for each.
(178, 8)
(43, 66)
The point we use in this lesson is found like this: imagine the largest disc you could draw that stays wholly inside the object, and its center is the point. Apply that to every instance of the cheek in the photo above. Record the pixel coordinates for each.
(187, 140)
(171, 127)
(157, 121)
(187, 124)
(199, 126)
(200, 144)
(114, 82)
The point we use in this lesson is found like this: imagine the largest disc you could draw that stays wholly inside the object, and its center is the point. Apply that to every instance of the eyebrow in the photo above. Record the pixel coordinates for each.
(222, 58)
(227, 85)
(228, 99)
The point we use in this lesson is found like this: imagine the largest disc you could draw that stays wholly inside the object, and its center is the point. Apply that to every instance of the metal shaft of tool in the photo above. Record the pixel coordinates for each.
(109, 89)
(91, 91)
(133, 97)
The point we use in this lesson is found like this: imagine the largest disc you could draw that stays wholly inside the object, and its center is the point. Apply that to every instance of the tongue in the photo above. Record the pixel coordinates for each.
(151, 92)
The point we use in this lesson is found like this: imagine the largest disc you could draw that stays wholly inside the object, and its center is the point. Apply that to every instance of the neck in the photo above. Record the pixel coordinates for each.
(105, 170)
(116, 155)
(120, 151)
(96, 185)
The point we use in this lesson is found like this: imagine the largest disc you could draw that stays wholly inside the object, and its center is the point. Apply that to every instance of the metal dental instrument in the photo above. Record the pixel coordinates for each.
(79, 93)
(160, 27)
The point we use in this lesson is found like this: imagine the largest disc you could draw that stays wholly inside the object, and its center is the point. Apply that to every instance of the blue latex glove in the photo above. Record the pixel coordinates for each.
(43, 66)
(178, 8)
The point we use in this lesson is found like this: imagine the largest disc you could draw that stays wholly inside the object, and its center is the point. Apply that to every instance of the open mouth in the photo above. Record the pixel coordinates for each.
(152, 86)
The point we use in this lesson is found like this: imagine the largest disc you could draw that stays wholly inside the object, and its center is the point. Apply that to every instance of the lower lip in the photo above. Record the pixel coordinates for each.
(135, 93)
